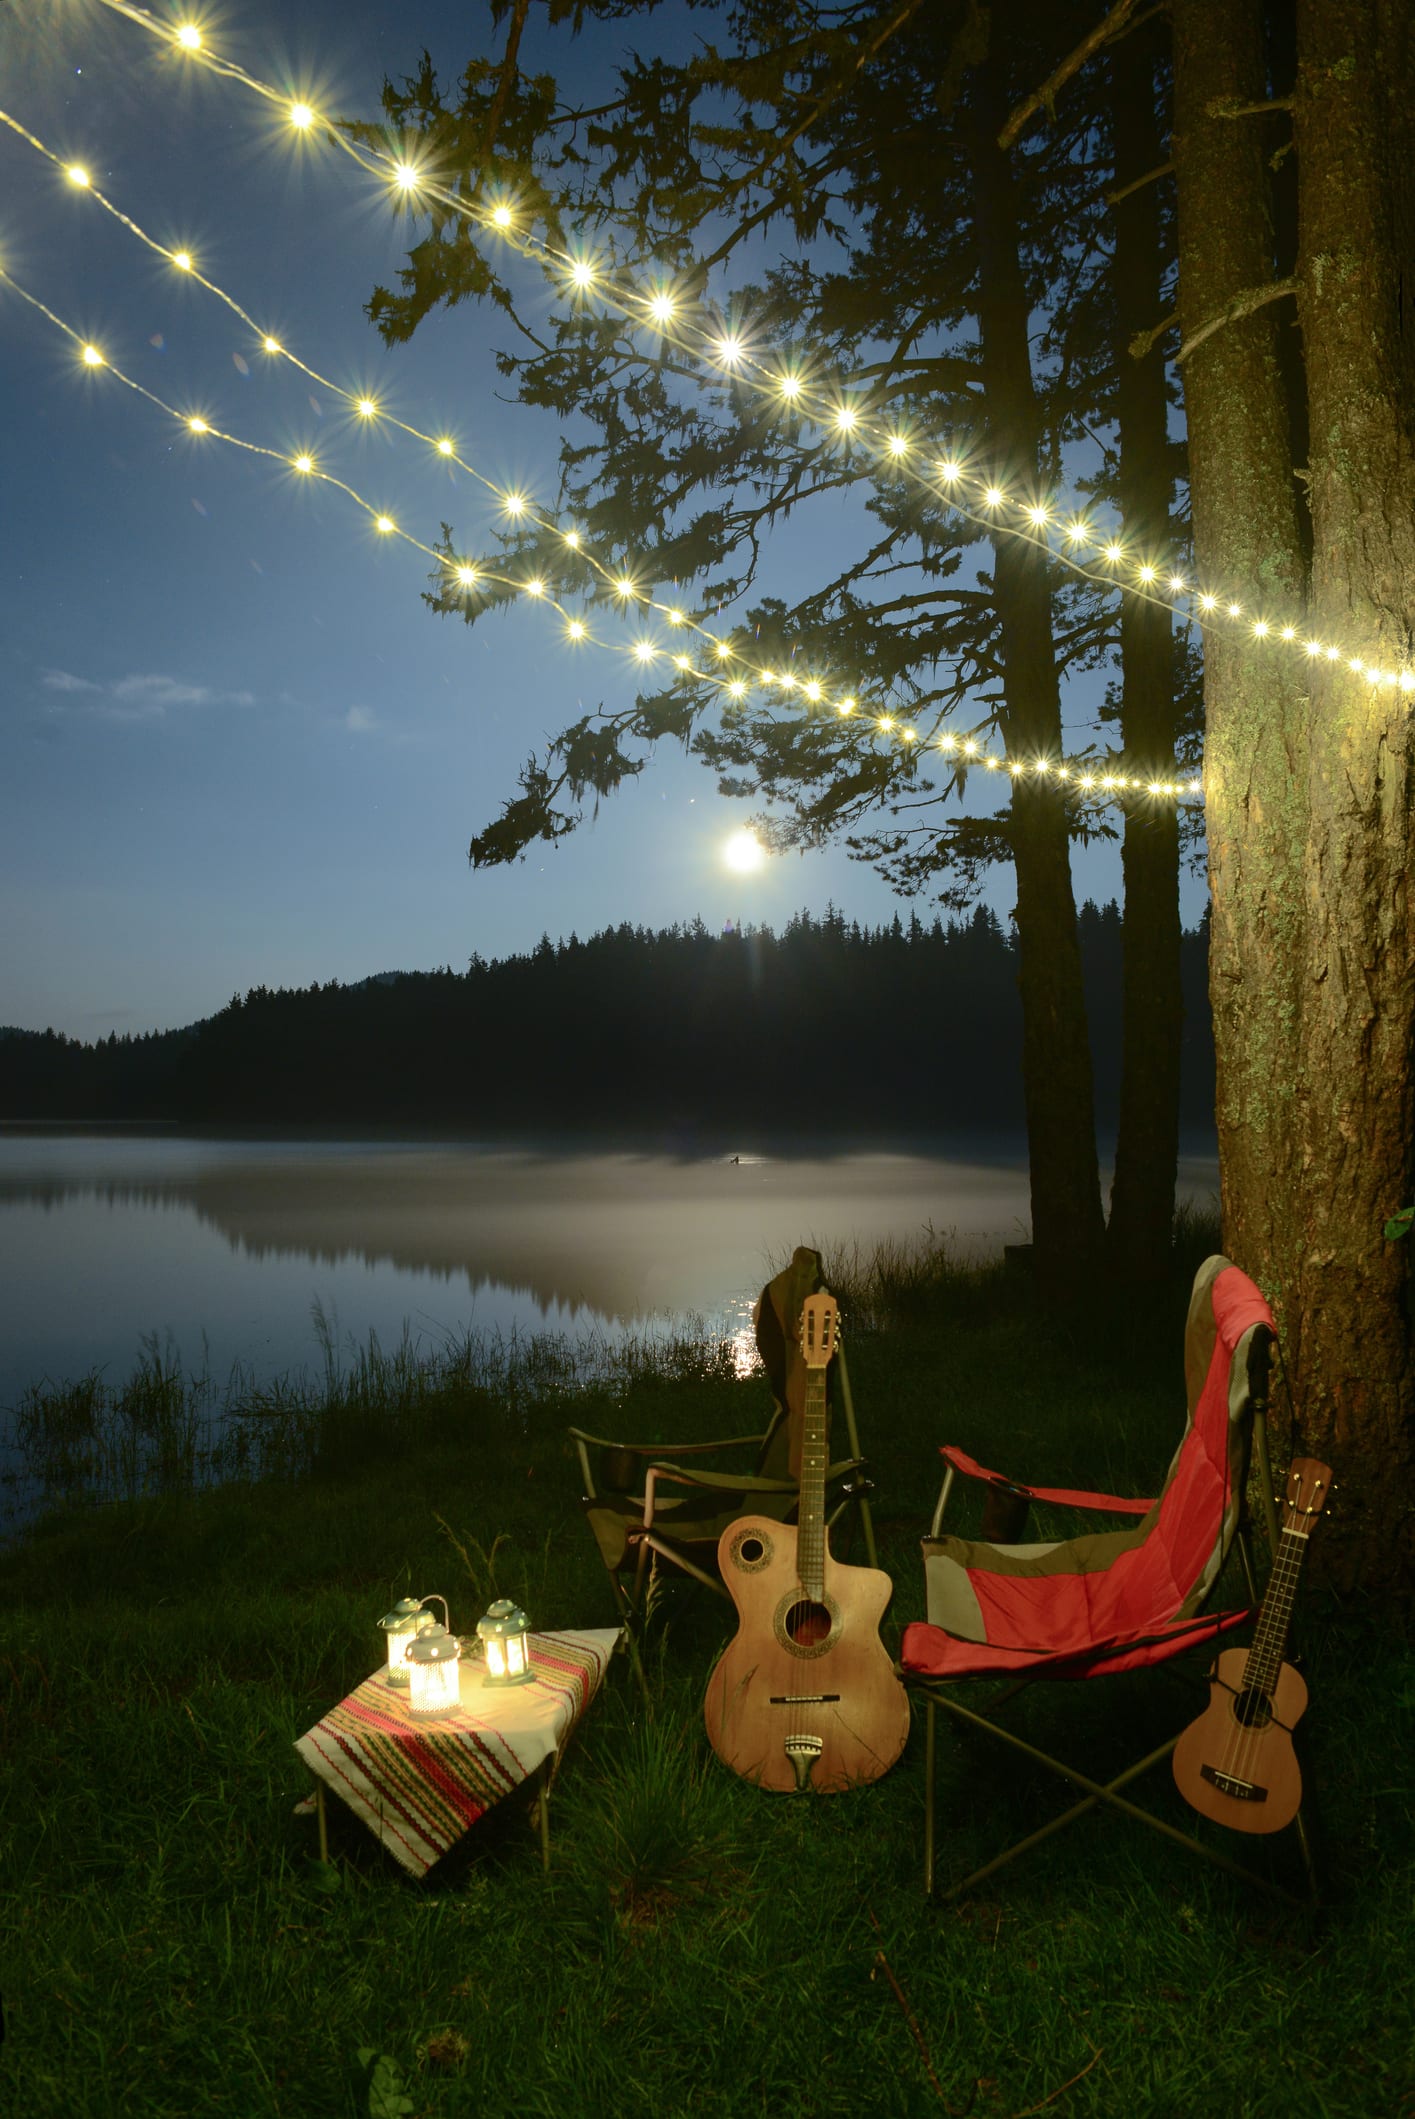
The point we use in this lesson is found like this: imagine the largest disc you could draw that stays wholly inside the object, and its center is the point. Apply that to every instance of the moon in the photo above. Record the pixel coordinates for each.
(744, 853)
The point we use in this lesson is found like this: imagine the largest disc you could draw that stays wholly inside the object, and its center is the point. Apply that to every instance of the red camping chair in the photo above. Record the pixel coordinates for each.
(1115, 1600)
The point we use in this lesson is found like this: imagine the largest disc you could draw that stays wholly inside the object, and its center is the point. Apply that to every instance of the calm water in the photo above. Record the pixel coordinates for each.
(106, 1238)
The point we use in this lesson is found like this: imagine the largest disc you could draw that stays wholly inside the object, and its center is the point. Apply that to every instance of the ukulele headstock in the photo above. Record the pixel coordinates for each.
(819, 1330)
(1308, 1486)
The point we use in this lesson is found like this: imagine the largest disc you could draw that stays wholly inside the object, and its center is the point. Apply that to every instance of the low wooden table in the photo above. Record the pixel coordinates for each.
(421, 1782)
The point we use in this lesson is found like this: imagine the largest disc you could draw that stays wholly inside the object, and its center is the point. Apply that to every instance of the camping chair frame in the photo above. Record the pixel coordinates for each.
(648, 1538)
(1006, 1509)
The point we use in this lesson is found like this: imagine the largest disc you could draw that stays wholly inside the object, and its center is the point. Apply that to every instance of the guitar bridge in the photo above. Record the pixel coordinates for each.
(1230, 1784)
(803, 1699)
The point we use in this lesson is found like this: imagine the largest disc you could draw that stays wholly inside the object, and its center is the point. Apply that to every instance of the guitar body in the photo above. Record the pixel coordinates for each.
(805, 1698)
(1236, 1763)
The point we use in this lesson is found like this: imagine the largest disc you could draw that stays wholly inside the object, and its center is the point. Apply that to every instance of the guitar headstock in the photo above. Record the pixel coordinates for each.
(819, 1321)
(1308, 1486)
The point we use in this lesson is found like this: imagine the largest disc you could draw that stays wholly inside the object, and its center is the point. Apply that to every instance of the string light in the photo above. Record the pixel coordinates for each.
(661, 308)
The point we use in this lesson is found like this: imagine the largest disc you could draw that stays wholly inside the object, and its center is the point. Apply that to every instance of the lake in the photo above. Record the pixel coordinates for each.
(228, 1246)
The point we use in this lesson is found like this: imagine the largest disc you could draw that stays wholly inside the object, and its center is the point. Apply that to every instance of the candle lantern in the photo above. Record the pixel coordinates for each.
(404, 1623)
(434, 1686)
(505, 1636)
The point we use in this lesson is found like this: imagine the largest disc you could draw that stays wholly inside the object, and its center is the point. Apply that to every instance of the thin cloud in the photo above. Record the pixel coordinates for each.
(362, 720)
(66, 681)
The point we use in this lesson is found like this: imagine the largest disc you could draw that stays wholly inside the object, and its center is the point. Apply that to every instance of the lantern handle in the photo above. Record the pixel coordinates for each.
(434, 1598)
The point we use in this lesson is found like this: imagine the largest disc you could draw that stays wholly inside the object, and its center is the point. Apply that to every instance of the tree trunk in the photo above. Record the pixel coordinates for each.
(1152, 1007)
(1068, 1231)
(1248, 550)
(1346, 1294)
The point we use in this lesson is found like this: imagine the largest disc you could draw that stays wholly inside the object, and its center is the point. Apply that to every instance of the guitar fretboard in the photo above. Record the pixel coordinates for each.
(810, 1531)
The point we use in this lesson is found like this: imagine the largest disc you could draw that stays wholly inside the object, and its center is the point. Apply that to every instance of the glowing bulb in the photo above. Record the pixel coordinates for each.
(92, 357)
(724, 650)
(77, 174)
(1313, 647)
(991, 764)
(787, 681)
(405, 177)
(1014, 768)
(189, 37)
(367, 407)
(1076, 533)
(908, 735)
(582, 274)
(737, 689)
(845, 418)
(198, 426)
(1289, 632)
(624, 586)
(445, 448)
(675, 617)
(1176, 584)
(1039, 516)
(682, 662)
(304, 463)
(572, 538)
(1148, 573)
(948, 743)
(645, 650)
(1357, 666)
(661, 308)
(1088, 779)
(1235, 610)
(515, 505)
(847, 706)
(886, 721)
(947, 470)
(1333, 654)
(813, 693)
(1114, 553)
(535, 588)
(729, 351)
(1208, 603)
(501, 217)
(1407, 680)
(272, 345)
(383, 524)
(182, 259)
(898, 446)
(576, 629)
(301, 116)
(970, 746)
(467, 576)
(992, 496)
(789, 386)
(744, 852)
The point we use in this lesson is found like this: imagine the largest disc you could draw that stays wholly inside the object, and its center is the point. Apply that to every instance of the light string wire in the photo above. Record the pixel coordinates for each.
(1038, 521)
(967, 749)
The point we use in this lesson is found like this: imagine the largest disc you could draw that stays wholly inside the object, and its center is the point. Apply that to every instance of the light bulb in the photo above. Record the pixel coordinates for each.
(301, 116)
(189, 37)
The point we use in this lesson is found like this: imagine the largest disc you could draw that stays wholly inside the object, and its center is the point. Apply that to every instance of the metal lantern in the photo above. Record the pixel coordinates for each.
(402, 1624)
(433, 1679)
(505, 1636)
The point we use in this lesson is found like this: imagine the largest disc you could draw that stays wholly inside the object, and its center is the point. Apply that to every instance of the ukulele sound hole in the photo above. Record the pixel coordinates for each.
(807, 1623)
(1253, 1708)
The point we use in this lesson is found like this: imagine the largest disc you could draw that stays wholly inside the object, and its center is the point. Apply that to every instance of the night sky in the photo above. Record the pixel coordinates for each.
(238, 748)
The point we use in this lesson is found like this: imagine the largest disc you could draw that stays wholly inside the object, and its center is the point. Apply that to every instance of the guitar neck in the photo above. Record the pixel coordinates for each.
(810, 1520)
(1270, 1640)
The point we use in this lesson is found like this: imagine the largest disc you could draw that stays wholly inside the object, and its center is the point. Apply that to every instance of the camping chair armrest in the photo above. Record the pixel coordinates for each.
(584, 1442)
(744, 1483)
(958, 1460)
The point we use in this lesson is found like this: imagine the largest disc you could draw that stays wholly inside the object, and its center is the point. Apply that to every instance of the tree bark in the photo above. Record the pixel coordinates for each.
(1346, 1311)
(1141, 1223)
(1068, 1231)
(1247, 548)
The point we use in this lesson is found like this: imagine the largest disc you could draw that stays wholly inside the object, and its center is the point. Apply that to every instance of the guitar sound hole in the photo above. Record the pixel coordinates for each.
(807, 1623)
(1253, 1708)
(750, 1550)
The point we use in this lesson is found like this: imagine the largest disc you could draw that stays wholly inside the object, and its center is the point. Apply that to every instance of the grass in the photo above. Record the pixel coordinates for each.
(169, 1945)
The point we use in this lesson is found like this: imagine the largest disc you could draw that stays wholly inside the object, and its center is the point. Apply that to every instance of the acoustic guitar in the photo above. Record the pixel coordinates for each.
(1236, 1763)
(805, 1699)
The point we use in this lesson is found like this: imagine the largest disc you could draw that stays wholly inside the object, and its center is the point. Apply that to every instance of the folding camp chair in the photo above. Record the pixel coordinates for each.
(1110, 1601)
(634, 1518)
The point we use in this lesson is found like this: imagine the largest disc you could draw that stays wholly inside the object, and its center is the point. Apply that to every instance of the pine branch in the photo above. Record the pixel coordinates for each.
(508, 74)
(1151, 176)
(1044, 98)
(1243, 304)
(1143, 340)
(1228, 107)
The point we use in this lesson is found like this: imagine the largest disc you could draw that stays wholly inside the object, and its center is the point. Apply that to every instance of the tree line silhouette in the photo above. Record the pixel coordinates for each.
(899, 1030)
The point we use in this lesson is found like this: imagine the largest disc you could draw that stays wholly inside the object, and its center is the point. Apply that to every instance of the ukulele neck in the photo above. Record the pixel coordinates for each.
(1270, 1640)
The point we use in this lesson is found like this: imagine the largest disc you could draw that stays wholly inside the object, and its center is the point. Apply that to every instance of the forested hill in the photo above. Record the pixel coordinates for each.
(895, 1030)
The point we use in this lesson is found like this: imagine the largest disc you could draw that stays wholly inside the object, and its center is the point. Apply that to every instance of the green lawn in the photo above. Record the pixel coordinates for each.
(171, 1945)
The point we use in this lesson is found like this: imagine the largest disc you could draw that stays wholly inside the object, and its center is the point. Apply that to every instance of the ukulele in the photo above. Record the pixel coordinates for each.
(805, 1699)
(1236, 1763)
